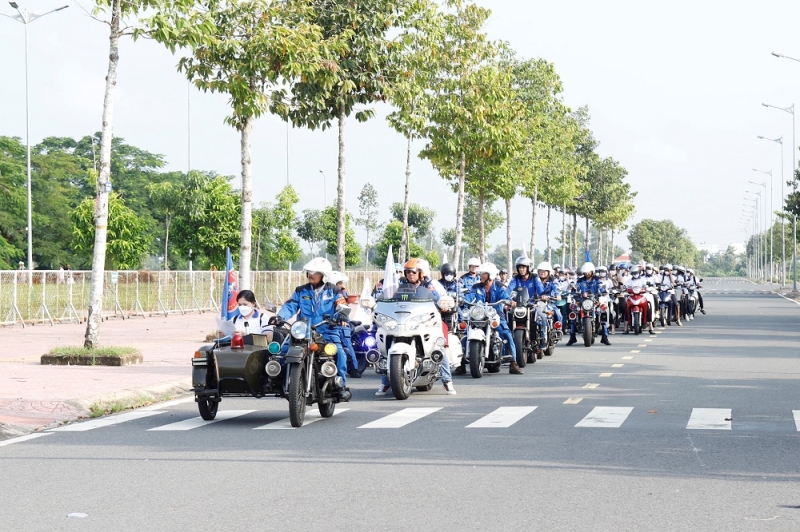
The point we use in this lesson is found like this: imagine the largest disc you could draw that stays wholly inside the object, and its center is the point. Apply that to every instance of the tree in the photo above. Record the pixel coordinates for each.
(12, 201)
(167, 201)
(241, 49)
(368, 208)
(275, 230)
(448, 237)
(330, 227)
(492, 220)
(471, 103)
(128, 240)
(362, 62)
(310, 228)
(661, 241)
(416, 216)
(392, 236)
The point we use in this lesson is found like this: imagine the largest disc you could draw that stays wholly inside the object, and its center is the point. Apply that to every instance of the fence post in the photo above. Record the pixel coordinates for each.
(69, 310)
(45, 312)
(177, 301)
(117, 306)
(137, 305)
(14, 312)
(161, 303)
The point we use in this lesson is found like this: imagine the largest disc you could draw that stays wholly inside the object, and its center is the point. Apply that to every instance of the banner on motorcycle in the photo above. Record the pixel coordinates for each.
(390, 281)
(230, 289)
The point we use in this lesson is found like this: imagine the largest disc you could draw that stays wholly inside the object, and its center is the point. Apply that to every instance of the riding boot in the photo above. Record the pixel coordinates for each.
(604, 340)
(514, 369)
(572, 339)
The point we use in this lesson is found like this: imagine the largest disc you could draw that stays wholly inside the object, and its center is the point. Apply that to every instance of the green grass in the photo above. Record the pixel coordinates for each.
(75, 350)
(112, 407)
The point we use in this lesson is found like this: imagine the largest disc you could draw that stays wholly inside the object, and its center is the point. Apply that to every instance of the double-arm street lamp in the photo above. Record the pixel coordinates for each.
(26, 18)
(759, 240)
(779, 140)
(767, 220)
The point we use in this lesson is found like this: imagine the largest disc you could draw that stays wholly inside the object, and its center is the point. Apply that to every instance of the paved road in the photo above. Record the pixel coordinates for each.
(692, 428)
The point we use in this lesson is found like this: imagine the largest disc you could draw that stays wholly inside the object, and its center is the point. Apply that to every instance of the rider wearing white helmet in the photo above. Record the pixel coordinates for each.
(471, 277)
(589, 284)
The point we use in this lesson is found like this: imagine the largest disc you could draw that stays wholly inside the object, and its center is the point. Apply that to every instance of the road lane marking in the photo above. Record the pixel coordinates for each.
(787, 298)
(650, 340)
(591, 386)
(627, 358)
(796, 420)
(635, 351)
(286, 424)
(20, 439)
(606, 417)
(617, 365)
(174, 402)
(642, 345)
(502, 418)
(573, 400)
(107, 421)
(195, 422)
(710, 419)
(606, 374)
(400, 419)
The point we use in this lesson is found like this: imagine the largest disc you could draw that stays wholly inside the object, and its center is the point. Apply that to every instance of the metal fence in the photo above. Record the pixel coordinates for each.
(63, 296)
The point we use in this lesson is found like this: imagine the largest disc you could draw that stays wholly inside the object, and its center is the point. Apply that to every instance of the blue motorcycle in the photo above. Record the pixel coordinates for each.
(365, 346)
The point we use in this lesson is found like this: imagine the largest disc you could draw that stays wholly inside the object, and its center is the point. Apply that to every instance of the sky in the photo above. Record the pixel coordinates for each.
(674, 91)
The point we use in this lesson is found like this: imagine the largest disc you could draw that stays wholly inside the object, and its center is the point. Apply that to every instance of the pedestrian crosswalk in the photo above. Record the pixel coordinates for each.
(504, 417)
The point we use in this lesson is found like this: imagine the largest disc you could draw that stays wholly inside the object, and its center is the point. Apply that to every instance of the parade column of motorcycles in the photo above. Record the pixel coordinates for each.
(426, 329)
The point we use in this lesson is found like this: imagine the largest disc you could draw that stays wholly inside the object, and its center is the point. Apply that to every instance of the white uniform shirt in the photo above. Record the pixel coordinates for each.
(253, 324)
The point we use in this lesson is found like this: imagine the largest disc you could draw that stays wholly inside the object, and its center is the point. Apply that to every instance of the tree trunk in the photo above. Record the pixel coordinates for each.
(564, 237)
(341, 212)
(462, 174)
(612, 247)
(482, 227)
(258, 245)
(549, 249)
(575, 260)
(95, 315)
(245, 250)
(509, 245)
(600, 256)
(586, 239)
(534, 200)
(167, 221)
(404, 244)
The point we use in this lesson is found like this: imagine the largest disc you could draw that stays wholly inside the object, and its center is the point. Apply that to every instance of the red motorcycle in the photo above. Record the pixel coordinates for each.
(637, 308)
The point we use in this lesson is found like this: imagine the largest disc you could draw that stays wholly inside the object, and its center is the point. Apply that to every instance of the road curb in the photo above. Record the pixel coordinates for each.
(176, 388)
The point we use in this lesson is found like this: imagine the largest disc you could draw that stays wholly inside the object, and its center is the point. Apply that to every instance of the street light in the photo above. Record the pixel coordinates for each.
(767, 223)
(779, 140)
(26, 18)
(759, 240)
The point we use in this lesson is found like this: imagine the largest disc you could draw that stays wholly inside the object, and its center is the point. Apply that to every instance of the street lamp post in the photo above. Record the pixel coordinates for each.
(767, 221)
(756, 231)
(779, 140)
(26, 18)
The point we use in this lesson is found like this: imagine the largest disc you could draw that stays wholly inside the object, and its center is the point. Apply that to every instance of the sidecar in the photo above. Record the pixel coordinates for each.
(251, 367)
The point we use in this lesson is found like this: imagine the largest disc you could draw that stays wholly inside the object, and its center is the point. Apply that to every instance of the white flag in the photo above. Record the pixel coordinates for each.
(444, 259)
(390, 280)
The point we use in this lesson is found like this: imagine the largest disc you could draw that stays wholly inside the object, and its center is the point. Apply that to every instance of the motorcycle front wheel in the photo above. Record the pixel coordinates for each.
(475, 360)
(401, 388)
(519, 345)
(637, 323)
(297, 394)
(587, 331)
(208, 408)
(663, 317)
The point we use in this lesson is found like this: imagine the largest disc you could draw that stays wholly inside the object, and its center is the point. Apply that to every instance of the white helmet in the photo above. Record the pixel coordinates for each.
(474, 261)
(488, 267)
(338, 277)
(545, 266)
(319, 265)
(587, 267)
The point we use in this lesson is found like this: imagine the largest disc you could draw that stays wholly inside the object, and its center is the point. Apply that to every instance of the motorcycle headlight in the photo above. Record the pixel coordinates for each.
(477, 313)
(390, 325)
(330, 349)
(587, 304)
(491, 312)
(519, 312)
(299, 330)
(369, 341)
(381, 318)
(414, 323)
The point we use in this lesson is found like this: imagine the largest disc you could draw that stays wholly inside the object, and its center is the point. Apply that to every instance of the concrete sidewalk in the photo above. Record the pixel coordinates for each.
(33, 396)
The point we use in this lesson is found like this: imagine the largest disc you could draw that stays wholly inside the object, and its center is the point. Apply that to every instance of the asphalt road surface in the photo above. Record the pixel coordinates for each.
(693, 428)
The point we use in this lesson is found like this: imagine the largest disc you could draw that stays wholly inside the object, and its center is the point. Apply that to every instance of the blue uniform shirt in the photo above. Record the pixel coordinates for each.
(469, 279)
(533, 284)
(593, 286)
(478, 293)
(312, 305)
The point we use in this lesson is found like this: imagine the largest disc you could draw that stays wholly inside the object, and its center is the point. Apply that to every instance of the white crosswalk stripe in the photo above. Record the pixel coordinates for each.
(400, 419)
(311, 417)
(606, 417)
(195, 422)
(107, 421)
(710, 419)
(796, 419)
(503, 417)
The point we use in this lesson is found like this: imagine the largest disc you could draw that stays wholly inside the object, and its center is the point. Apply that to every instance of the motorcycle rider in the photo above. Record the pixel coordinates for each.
(637, 281)
(549, 294)
(692, 279)
(563, 287)
(249, 320)
(502, 278)
(312, 302)
(666, 280)
(487, 291)
(589, 284)
(339, 279)
(471, 277)
(414, 276)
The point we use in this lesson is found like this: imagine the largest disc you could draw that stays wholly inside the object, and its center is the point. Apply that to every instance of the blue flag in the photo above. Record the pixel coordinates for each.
(230, 289)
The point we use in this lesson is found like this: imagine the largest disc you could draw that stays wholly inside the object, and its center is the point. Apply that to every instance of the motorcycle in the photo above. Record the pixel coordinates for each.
(411, 340)
(585, 317)
(364, 341)
(692, 300)
(637, 303)
(484, 346)
(521, 328)
(665, 292)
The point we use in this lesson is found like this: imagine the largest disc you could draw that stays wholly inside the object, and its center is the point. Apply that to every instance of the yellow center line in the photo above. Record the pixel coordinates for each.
(617, 365)
(649, 340)
(606, 374)
(642, 345)
(627, 358)
(591, 386)
(635, 351)
(573, 400)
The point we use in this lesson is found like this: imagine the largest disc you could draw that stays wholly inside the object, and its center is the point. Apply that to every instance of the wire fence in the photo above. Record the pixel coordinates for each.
(63, 295)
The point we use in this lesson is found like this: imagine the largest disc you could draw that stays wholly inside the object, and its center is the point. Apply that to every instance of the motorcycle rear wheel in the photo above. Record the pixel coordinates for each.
(297, 395)
(519, 345)
(208, 408)
(549, 350)
(401, 388)
(587, 331)
(475, 360)
(326, 409)
(663, 317)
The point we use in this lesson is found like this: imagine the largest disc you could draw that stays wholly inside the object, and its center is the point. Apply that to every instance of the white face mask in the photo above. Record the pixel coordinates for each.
(448, 277)
(244, 310)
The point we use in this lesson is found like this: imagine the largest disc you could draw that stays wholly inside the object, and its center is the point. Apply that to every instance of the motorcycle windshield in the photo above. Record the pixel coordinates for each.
(406, 294)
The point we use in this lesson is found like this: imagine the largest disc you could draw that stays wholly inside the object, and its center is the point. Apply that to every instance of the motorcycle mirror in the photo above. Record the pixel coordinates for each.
(343, 309)
(271, 307)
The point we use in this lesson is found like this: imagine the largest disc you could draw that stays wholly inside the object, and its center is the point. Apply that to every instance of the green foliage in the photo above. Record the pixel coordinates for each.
(433, 258)
(661, 241)
(492, 220)
(310, 228)
(393, 235)
(352, 254)
(274, 227)
(448, 237)
(419, 217)
(723, 264)
(13, 206)
(128, 241)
